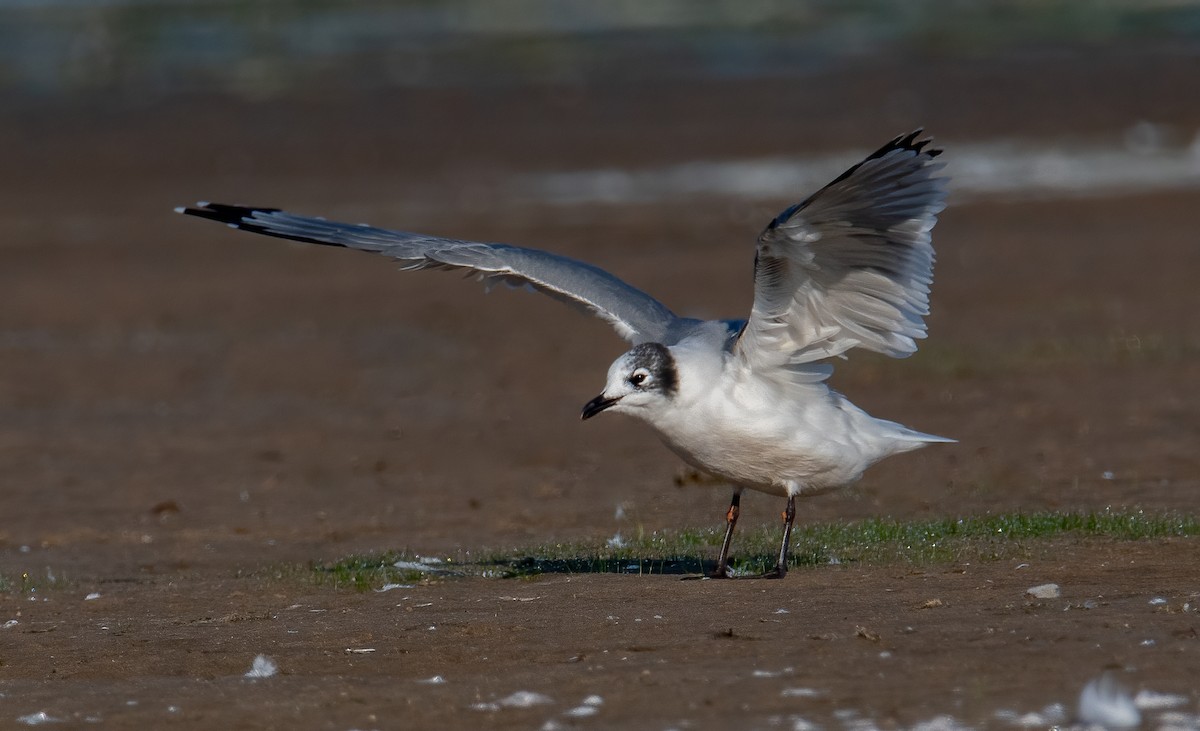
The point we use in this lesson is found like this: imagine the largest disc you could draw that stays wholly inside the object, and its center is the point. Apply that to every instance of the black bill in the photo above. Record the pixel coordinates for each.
(596, 405)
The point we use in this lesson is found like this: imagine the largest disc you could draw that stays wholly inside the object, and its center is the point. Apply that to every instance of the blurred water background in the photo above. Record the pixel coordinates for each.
(263, 48)
(621, 102)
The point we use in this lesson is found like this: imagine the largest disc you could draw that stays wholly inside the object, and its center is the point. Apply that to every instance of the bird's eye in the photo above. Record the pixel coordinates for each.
(639, 377)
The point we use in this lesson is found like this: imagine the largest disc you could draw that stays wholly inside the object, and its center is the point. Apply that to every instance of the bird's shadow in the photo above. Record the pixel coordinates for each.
(672, 566)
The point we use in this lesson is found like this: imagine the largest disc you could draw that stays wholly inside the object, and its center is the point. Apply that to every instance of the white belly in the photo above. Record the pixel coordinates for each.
(780, 443)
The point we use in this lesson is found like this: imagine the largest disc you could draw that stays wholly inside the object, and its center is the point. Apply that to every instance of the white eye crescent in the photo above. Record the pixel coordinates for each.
(640, 377)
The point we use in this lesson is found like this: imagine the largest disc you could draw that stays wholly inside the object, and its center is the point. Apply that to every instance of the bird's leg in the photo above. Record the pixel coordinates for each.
(731, 517)
(789, 517)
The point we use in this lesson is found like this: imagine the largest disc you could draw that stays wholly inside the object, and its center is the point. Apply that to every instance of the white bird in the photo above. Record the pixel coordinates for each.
(745, 401)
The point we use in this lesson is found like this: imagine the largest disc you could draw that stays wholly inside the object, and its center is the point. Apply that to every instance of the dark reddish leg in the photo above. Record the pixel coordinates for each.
(731, 517)
(789, 517)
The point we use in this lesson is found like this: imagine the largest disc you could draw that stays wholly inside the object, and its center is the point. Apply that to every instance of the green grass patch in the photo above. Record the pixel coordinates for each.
(372, 572)
(689, 551)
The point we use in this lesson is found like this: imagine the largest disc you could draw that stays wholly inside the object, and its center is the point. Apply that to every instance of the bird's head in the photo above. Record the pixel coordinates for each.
(641, 379)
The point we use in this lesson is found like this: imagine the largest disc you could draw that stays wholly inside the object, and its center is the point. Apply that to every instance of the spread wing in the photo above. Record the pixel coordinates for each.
(637, 316)
(850, 267)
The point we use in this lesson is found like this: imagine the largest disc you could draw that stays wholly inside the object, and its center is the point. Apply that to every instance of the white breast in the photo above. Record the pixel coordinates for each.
(760, 434)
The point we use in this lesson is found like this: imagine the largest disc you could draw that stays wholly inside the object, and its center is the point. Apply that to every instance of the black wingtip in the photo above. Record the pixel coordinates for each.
(256, 220)
(239, 217)
(233, 215)
(908, 142)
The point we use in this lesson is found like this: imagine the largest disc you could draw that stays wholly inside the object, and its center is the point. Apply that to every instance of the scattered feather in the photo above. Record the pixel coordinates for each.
(1044, 591)
(389, 587)
(525, 699)
(1104, 702)
(262, 667)
(802, 693)
(520, 699)
(1149, 700)
(37, 719)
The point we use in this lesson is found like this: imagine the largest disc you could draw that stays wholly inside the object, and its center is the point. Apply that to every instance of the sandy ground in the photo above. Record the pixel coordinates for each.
(184, 410)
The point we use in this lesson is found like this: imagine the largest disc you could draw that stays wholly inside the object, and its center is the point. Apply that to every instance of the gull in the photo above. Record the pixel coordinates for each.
(745, 401)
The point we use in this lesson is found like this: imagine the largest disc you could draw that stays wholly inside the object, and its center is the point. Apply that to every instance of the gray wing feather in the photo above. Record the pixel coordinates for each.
(849, 267)
(637, 316)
